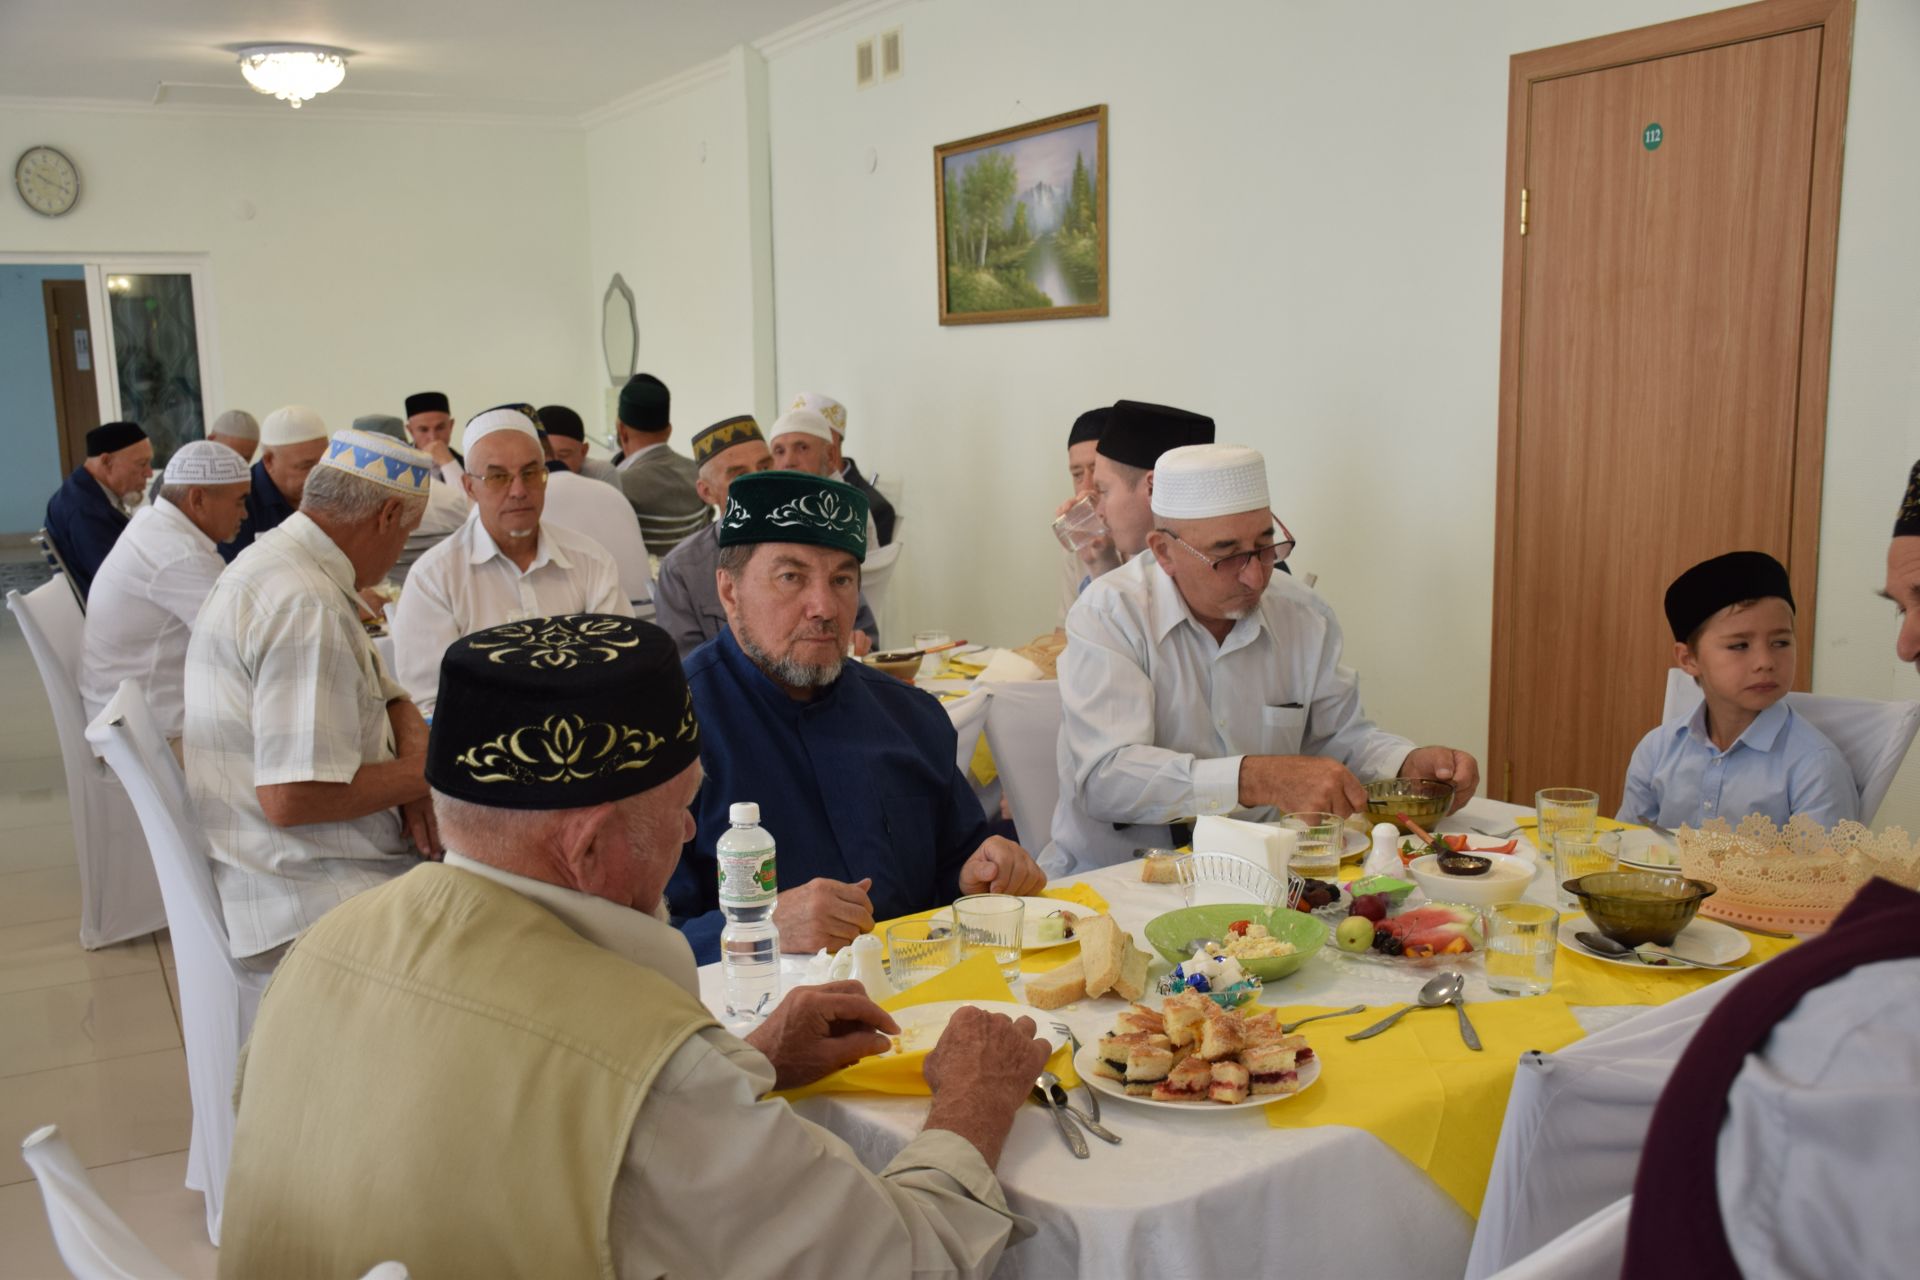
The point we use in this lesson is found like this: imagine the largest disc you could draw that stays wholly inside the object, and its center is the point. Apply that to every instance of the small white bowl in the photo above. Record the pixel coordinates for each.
(1504, 881)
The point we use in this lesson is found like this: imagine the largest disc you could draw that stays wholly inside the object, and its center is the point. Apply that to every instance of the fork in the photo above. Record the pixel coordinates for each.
(1090, 1118)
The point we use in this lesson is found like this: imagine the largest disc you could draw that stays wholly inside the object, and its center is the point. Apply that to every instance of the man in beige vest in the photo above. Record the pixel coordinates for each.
(500, 1065)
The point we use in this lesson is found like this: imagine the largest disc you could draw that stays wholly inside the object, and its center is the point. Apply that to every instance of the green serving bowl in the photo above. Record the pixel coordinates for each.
(1173, 934)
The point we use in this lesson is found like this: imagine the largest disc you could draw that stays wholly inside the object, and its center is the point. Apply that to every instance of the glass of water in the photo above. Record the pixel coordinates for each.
(1577, 854)
(1521, 942)
(992, 922)
(931, 663)
(1562, 809)
(920, 949)
(1321, 837)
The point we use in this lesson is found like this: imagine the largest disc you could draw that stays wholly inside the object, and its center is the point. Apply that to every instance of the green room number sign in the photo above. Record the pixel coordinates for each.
(1652, 136)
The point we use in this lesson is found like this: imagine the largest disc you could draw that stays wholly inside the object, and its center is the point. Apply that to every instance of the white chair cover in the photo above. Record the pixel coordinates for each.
(1873, 736)
(119, 897)
(93, 1240)
(1023, 724)
(876, 577)
(218, 998)
(969, 716)
(1591, 1250)
(1575, 1122)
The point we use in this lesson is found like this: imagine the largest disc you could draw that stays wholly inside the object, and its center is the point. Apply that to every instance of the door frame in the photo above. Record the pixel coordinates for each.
(1686, 35)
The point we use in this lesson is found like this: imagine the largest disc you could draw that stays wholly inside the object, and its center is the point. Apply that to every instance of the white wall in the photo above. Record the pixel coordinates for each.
(352, 262)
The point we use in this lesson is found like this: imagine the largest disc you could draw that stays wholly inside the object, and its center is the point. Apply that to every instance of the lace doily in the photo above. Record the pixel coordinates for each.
(1800, 868)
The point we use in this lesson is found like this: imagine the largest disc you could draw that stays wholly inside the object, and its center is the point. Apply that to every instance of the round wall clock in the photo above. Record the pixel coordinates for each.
(46, 180)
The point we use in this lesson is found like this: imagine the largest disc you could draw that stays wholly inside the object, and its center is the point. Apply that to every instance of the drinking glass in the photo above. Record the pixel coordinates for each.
(920, 949)
(931, 663)
(1563, 808)
(1322, 836)
(1577, 854)
(1080, 525)
(992, 922)
(1521, 942)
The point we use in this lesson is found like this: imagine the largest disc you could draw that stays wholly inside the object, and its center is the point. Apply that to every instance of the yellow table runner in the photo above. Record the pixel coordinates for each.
(1579, 979)
(976, 978)
(1031, 961)
(1419, 1089)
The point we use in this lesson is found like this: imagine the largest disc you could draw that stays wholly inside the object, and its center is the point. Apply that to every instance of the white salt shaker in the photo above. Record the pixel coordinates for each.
(1384, 856)
(868, 969)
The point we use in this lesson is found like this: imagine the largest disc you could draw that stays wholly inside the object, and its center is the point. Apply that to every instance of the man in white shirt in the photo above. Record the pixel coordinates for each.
(447, 506)
(599, 511)
(145, 597)
(303, 756)
(504, 565)
(1197, 681)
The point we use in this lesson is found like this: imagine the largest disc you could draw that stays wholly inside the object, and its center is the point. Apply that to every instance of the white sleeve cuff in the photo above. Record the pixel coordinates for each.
(1216, 785)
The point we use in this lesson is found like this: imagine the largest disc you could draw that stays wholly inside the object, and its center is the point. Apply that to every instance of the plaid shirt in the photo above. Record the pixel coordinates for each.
(284, 685)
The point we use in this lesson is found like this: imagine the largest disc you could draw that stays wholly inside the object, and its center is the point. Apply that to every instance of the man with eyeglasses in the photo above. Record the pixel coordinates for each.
(505, 564)
(1197, 681)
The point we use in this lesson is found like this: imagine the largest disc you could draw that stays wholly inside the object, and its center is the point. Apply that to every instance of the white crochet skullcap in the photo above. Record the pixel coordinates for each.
(1198, 481)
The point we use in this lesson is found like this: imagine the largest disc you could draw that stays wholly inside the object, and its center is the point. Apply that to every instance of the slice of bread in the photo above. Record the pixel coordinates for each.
(1160, 868)
(1103, 948)
(1056, 987)
(1132, 982)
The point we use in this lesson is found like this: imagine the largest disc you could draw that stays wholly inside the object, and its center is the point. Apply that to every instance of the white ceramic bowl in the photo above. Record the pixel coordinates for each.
(1504, 881)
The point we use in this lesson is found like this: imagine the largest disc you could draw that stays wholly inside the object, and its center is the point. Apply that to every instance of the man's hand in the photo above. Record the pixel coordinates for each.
(862, 643)
(422, 830)
(1444, 764)
(980, 1073)
(1296, 784)
(823, 913)
(409, 731)
(1001, 866)
(815, 1031)
(440, 452)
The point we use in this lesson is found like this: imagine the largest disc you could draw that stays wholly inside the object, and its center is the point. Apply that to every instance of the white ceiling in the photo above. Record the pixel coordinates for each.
(552, 59)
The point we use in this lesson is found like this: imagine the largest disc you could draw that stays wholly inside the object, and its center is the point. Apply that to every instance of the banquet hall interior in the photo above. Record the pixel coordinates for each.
(1331, 226)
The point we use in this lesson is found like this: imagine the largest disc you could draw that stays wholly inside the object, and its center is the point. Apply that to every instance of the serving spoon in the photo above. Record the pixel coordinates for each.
(1437, 994)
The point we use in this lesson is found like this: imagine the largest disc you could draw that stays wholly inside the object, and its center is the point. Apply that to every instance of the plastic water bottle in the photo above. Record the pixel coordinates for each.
(750, 942)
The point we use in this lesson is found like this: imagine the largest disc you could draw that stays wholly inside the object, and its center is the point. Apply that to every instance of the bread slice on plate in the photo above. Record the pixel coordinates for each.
(1056, 987)
(1132, 982)
(1160, 868)
(1103, 949)
(1220, 1035)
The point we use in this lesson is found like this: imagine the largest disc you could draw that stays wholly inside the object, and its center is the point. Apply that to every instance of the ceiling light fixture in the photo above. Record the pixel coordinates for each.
(293, 72)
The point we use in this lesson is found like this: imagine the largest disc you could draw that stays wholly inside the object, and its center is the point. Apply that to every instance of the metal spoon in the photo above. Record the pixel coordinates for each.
(1459, 1002)
(1438, 993)
(1050, 1084)
(1603, 945)
(1288, 1028)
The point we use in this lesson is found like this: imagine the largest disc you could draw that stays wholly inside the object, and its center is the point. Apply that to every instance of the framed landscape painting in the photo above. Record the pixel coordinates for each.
(1022, 218)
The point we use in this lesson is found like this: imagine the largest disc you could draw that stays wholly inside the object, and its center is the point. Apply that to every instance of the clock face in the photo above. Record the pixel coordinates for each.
(47, 181)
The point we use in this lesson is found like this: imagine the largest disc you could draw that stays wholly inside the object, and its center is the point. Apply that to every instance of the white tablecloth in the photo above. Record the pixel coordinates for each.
(1209, 1193)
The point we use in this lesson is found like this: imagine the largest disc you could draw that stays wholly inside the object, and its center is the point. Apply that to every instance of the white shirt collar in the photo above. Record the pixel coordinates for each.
(178, 523)
(482, 548)
(1170, 609)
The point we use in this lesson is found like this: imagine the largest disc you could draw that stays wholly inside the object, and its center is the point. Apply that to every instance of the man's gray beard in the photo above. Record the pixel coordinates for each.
(795, 675)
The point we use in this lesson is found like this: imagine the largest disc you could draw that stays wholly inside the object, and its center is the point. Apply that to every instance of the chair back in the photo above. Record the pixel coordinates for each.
(876, 579)
(218, 998)
(58, 563)
(1591, 1249)
(969, 716)
(119, 898)
(1873, 736)
(94, 1241)
(1023, 725)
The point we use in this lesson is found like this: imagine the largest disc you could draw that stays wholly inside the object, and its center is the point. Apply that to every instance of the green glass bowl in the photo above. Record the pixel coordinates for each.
(1172, 934)
(1422, 799)
(1637, 907)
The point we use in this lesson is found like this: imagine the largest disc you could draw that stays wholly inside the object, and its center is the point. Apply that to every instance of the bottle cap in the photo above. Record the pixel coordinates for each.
(743, 813)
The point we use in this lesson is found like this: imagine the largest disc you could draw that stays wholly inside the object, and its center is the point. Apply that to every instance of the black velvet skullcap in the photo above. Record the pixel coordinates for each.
(1090, 425)
(1712, 585)
(109, 436)
(1138, 433)
(428, 402)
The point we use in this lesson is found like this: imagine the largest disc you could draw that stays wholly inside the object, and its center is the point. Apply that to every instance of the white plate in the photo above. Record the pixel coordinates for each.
(1030, 920)
(1651, 857)
(1084, 1060)
(921, 1024)
(1707, 941)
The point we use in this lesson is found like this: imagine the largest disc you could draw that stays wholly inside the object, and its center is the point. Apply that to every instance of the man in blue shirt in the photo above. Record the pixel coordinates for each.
(87, 513)
(854, 771)
(292, 439)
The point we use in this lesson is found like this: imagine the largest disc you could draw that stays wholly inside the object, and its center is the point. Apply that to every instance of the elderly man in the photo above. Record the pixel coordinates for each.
(853, 770)
(1135, 436)
(430, 426)
(568, 436)
(533, 969)
(1197, 681)
(447, 505)
(802, 440)
(657, 481)
(1080, 568)
(505, 565)
(844, 468)
(292, 440)
(236, 429)
(304, 757)
(86, 515)
(145, 597)
(687, 599)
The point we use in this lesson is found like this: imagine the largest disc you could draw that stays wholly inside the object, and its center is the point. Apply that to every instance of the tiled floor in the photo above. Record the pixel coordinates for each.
(89, 1040)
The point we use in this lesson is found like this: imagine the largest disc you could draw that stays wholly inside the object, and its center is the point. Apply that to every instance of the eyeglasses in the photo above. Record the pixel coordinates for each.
(1230, 566)
(534, 477)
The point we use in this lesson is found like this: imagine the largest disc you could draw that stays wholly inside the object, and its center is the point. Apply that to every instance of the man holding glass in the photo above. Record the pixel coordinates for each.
(1197, 681)
(505, 565)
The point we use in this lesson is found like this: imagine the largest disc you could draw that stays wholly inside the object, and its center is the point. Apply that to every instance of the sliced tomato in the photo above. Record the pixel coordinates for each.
(1239, 928)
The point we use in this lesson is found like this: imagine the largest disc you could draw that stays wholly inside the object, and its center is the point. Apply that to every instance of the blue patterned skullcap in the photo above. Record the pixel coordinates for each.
(382, 460)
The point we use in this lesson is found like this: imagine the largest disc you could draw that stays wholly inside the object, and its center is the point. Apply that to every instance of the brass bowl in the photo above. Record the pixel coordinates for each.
(898, 667)
(1422, 799)
(1637, 907)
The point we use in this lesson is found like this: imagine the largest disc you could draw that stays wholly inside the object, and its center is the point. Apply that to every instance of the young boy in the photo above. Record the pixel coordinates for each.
(1743, 750)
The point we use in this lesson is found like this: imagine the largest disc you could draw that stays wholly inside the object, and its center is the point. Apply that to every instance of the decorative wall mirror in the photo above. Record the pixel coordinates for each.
(619, 331)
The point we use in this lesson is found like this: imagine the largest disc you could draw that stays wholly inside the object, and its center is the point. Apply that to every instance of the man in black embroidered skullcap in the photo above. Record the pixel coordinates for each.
(92, 505)
(657, 481)
(1096, 556)
(1135, 436)
(521, 1011)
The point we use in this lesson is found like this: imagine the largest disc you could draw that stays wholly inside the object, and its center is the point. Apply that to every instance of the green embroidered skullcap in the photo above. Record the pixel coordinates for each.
(645, 402)
(792, 506)
(560, 713)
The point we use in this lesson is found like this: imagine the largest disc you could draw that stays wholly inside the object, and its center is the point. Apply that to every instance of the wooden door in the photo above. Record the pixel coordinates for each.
(70, 356)
(1664, 353)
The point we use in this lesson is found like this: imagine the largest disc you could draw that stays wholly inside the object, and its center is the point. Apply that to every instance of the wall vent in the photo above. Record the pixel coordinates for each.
(890, 54)
(863, 76)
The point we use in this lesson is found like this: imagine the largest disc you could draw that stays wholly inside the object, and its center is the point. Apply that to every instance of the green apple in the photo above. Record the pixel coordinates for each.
(1354, 934)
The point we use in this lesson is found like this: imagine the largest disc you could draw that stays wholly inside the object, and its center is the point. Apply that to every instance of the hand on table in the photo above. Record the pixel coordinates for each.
(1297, 784)
(980, 1073)
(815, 1031)
(1001, 866)
(823, 913)
(1444, 764)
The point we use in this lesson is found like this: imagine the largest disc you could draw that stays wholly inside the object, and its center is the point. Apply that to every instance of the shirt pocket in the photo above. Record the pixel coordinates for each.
(1281, 729)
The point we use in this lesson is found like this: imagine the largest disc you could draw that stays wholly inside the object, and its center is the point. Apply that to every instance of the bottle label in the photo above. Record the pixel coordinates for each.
(747, 879)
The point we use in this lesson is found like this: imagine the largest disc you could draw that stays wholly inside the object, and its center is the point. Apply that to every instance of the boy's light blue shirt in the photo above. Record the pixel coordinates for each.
(1780, 766)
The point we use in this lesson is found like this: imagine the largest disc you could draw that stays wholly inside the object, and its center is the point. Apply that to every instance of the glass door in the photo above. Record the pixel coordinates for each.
(156, 362)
